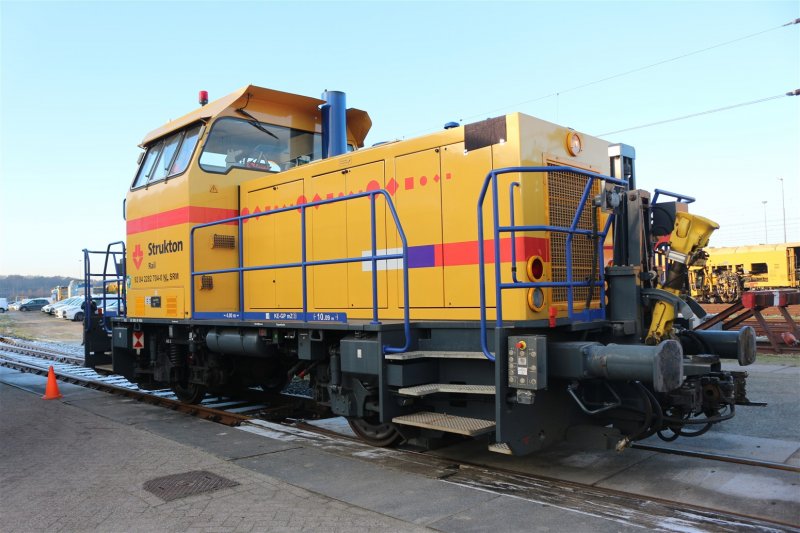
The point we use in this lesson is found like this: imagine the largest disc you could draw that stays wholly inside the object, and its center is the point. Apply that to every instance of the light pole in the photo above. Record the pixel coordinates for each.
(766, 239)
(783, 204)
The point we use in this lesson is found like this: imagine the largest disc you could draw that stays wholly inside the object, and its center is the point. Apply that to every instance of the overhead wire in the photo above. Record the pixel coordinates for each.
(796, 92)
(635, 70)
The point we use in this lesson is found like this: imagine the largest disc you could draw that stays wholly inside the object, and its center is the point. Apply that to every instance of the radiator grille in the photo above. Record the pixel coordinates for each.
(565, 190)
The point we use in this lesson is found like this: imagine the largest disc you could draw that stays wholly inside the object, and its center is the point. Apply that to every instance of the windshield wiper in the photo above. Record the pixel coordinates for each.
(255, 123)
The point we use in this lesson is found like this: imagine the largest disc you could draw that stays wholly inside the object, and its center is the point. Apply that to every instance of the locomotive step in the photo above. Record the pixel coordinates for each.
(408, 356)
(500, 447)
(433, 388)
(447, 423)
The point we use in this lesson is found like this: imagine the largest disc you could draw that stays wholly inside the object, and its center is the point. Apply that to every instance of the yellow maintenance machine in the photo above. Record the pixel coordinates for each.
(727, 272)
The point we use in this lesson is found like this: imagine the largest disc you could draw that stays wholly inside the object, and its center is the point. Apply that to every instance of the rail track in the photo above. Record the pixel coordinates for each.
(623, 507)
(33, 359)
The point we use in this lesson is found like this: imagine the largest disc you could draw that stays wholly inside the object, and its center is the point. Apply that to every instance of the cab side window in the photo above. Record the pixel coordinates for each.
(167, 157)
(146, 169)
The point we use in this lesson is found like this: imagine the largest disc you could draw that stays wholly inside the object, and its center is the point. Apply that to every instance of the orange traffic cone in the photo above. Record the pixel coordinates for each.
(51, 391)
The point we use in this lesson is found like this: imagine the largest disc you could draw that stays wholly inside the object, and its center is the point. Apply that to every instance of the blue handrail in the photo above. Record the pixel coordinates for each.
(106, 278)
(491, 179)
(304, 263)
(680, 197)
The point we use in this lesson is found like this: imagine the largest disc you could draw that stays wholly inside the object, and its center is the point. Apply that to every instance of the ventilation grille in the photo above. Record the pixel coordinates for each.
(139, 306)
(206, 283)
(224, 241)
(172, 306)
(565, 190)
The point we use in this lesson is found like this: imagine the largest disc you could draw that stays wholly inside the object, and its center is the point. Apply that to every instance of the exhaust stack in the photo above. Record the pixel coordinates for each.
(334, 124)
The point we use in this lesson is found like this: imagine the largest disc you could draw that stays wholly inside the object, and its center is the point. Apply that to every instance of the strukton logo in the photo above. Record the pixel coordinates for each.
(166, 247)
(138, 256)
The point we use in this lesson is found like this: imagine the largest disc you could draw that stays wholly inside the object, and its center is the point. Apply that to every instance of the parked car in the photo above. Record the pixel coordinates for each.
(75, 311)
(15, 305)
(3, 305)
(111, 308)
(34, 304)
(52, 308)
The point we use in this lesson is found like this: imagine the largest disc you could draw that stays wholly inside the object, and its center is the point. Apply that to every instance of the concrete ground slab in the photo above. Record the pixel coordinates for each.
(222, 441)
(408, 497)
(761, 368)
(514, 514)
(698, 482)
(758, 448)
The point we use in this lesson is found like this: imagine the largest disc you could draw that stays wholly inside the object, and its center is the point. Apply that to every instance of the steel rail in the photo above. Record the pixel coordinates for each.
(717, 457)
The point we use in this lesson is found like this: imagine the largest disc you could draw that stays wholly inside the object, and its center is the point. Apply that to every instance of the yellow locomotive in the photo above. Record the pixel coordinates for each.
(488, 279)
(727, 272)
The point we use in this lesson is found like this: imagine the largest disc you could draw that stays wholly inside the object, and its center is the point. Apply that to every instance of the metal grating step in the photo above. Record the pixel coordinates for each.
(433, 388)
(408, 356)
(500, 447)
(447, 423)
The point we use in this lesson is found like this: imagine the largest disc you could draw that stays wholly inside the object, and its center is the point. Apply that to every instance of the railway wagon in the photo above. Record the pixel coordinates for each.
(492, 280)
(729, 271)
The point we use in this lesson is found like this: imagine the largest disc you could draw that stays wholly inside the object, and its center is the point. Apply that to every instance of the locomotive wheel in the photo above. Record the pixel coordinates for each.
(190, 393)
(374, 432)
(728, 287)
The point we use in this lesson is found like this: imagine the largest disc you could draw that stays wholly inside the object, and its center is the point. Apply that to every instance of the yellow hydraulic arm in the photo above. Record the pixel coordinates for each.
(687, 241)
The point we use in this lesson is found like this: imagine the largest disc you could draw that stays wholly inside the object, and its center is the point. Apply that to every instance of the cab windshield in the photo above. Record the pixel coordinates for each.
(239, 143)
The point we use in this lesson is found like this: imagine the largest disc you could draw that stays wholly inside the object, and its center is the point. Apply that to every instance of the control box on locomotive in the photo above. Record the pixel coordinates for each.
(494, 279)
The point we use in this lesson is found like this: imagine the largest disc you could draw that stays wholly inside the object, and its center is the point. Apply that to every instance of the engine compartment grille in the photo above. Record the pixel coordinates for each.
(564, 192)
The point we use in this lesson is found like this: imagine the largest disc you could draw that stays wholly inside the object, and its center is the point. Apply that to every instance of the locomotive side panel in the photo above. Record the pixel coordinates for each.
(369, 177)
(462, 177)
(419, 204)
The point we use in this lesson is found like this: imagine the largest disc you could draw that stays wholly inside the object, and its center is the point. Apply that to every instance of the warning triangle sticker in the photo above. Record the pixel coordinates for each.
(213, 189)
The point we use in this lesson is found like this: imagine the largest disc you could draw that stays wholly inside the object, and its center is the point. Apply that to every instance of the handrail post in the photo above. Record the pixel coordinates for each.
(482, 266)
(513, 233)
(241, 273)
(497, 262)
(373, 240)
(303, 259)
(192, 275)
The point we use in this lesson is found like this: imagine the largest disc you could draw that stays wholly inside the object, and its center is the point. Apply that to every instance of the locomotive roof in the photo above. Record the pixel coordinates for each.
(259, 93)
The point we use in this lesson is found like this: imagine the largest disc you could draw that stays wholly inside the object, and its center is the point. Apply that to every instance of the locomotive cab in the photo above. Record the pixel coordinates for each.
(190, 174)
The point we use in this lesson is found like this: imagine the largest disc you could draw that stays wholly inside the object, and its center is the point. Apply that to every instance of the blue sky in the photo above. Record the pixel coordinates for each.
(81, 84)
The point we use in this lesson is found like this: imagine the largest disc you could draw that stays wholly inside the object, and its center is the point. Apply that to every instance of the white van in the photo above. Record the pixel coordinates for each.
(3, 305)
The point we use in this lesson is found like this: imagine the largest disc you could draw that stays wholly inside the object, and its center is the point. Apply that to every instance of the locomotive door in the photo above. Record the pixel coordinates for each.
(274, 240)
(342, 230)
